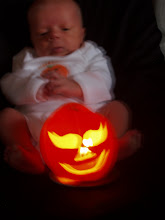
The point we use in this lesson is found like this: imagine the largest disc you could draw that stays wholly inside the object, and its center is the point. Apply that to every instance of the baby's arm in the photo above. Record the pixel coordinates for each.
(21, 87)
(97, 81)
(22, 84)
(92, 86)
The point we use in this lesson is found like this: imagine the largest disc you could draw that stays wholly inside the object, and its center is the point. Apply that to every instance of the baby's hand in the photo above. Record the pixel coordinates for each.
(60, 85)
(43, 93)
(51, 75)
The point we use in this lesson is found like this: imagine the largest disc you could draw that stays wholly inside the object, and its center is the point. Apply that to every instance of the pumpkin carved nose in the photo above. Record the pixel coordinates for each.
(84, 154)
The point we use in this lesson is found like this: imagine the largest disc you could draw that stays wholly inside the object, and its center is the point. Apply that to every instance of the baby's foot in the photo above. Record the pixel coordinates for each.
(23, 160)
(129, 144)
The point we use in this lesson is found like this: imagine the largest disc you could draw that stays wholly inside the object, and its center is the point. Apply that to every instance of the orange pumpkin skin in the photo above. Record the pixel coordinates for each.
(76, 119)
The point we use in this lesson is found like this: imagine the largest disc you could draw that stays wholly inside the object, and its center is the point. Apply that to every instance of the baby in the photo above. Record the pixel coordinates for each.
(60, 68)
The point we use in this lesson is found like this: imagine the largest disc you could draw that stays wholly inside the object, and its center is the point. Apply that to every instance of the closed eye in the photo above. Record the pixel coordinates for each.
(65, 29)
(43, 34)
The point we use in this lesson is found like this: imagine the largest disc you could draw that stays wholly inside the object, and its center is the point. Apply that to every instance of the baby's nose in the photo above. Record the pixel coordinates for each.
(54, 34)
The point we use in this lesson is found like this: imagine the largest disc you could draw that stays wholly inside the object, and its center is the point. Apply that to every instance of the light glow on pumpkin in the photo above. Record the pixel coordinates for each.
(84, 154)
(84, 151)
(87, 142)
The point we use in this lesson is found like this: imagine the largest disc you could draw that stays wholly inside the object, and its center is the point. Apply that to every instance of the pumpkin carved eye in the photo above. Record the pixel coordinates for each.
(91, 138)
(95, 136)
(68, 141)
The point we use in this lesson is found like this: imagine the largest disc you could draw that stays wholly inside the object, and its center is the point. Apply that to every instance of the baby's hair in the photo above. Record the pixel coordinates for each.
(37, 3)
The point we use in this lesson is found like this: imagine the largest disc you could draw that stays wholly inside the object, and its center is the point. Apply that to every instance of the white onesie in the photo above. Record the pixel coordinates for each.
(88, 66)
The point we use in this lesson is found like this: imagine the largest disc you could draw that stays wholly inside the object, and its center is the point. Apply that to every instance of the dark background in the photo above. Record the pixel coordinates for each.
(127, 30)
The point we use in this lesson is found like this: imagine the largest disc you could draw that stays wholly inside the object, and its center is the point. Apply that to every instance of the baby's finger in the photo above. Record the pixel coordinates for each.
(52, 74)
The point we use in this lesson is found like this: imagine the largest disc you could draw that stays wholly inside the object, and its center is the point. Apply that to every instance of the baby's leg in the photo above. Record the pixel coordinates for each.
(120, 117)
(14, 129)
(129, 144)
(14, 133)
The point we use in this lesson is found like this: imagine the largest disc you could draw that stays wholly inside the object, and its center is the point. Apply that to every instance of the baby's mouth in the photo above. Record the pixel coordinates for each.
(57, 50)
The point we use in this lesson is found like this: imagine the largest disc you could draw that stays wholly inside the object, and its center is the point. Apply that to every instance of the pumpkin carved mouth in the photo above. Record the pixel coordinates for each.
(93, 166)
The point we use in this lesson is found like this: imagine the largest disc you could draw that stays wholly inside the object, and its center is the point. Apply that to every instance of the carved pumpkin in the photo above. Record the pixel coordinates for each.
(78, 145)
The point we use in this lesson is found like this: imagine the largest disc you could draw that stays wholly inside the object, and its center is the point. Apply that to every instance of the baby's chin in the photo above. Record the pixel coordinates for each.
(55, 52)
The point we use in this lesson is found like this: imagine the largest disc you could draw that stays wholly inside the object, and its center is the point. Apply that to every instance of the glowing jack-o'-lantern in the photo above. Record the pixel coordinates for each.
(78, 145)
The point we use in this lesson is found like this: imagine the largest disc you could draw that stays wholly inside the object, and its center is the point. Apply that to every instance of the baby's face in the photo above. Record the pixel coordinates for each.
(56, 29)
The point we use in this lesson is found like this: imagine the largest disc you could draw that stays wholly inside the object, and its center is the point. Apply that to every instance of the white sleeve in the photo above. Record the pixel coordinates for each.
(25, 54)
(98, 80)
(21, 87)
